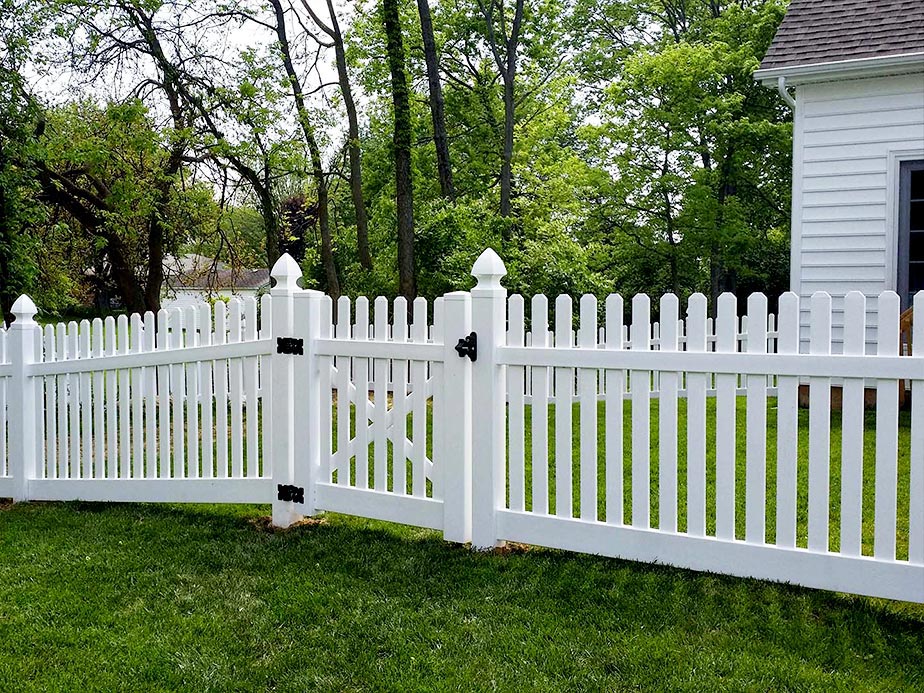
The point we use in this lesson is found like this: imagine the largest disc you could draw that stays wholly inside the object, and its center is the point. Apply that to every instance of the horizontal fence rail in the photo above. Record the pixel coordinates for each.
(732, 443)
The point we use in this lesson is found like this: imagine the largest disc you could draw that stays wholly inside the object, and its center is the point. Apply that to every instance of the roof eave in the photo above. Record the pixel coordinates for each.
(843, 69)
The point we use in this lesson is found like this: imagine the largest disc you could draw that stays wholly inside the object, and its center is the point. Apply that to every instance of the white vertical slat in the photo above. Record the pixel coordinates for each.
(343, 395)
(587, 384)
(640, 385)
(86, 407)
(99, 402)
(516, 417)
(756, 473)
(266, 332)
(399, 406)
(249, 366)
(77, 471)
(726, 341)
(361, 382)
(787, 425)
(819, 427)
(163, 397)
(124, 401)
(137, 403)
(206, 397)
(667, 419)
(418, 386)
(150, 399)
(61, 348)
(615, 383)
(438, 415)
(852, 411)
(192, 394)
(177, 392)
(539, 320)
(887, 432)
(380, 393)
(222, 461)
(564, 395)
(325, 365)
(696, 420)
(236, 390)
(51, 408)
(916, 506)
(39, 413)
(4, 416)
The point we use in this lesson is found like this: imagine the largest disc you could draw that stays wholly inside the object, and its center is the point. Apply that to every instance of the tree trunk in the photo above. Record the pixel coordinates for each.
(506, 181)
(402, 143)
(317, 169)
(443, 165)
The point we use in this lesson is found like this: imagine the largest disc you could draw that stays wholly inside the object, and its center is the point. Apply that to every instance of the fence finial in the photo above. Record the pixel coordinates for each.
(24, 311)
(286, 272)
(488, 270)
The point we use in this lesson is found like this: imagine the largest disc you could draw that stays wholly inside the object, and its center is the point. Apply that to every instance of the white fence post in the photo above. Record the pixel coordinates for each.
(22, 337)
(489, 322)
(306, 395)
(282, 389)
(455, 463)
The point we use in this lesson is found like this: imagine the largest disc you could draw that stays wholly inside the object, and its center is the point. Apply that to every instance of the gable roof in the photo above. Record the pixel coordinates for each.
(815, 32)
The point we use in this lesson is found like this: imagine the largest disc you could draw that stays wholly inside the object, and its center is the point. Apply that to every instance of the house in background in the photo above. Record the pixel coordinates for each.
(856, 68)
(192, 279)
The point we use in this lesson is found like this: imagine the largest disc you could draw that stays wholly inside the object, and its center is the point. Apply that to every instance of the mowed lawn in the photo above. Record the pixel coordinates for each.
(205, 598)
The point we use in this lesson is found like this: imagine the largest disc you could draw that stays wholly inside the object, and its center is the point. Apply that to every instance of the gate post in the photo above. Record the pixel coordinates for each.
(281, 397)
(456, 421)
(23, 338)
(489, 399)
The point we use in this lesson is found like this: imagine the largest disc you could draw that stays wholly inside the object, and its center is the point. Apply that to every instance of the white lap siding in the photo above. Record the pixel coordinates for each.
(850, 137)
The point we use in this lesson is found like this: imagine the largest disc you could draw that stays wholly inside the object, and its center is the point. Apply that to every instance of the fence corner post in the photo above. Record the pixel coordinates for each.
(456, 421)
(286, 272)
(23, 335)
(489, 400)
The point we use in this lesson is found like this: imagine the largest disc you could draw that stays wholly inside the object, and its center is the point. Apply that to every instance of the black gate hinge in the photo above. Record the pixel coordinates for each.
(290, 345)
(292, 494)
(468, 346)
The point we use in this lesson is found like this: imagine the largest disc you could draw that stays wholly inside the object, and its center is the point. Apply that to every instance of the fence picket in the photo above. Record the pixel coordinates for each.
(399, 402)
(380, 392)
(516, 418)
(236, 390)
(887, 432)
(640, 385)
(343, 395)
(696, 420)
(99, 402)
(192, 395)
(756, 462)
(615, 384)
(266, 332)
(207, 433)
(252, 414)
(77, 470)
(62, 400)
(587, 385)
(852, 412)
(137, 403)
(787, 426)
(150, 399)
(324, 374)
(819, 427)
(726, 403)
(564, 395)
(220, 374)
(539, 408)
(916, 464)
(419, 406)
(86, 406)
(124, 400)
(177, 389)
(51, 409)
(667, 418)
(361, 382)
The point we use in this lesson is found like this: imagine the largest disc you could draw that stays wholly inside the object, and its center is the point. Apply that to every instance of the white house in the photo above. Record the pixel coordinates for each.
(194, 278)
(853, 70)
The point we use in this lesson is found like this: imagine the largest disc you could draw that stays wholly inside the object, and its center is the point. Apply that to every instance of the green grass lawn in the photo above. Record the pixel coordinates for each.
(202, 598)
(141, 597)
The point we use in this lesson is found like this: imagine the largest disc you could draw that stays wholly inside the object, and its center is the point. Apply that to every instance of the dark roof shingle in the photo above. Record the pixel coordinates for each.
(824, 31)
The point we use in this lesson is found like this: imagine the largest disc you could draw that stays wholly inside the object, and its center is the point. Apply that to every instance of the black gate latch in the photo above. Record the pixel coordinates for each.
(290, 345)
(292, 494)
(468, 346)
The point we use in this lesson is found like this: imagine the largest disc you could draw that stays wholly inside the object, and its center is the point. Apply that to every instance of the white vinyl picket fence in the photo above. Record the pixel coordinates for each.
(678, 441)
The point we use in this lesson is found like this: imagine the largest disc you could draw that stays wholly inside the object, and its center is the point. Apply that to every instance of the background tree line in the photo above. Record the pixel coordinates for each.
(598, 145)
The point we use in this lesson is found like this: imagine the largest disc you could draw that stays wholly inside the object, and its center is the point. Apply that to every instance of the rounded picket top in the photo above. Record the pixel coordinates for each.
(488, 270)
(286, 272)
(24, 310)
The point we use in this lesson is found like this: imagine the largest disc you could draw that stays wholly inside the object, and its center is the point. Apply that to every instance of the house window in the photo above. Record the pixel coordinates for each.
(911, 231)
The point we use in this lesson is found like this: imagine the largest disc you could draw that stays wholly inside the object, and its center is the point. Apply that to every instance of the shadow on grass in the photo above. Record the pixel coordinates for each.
(98, 597)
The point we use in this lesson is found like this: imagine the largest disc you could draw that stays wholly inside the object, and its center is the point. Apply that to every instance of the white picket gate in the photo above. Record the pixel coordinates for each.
(620, 438)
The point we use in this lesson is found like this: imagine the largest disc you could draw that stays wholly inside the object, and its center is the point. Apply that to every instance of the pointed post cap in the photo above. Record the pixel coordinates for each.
(286, 272)
(488, 270)
(24, 311)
